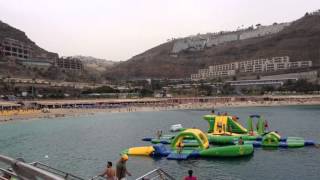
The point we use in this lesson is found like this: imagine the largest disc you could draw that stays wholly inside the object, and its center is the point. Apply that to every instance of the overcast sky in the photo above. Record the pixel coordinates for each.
(119, 29)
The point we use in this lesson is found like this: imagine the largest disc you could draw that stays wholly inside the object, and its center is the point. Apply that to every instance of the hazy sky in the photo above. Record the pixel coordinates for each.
(119, 29)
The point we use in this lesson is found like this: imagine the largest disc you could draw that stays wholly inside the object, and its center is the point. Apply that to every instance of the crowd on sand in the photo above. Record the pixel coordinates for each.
(13, 112)
(25, 114)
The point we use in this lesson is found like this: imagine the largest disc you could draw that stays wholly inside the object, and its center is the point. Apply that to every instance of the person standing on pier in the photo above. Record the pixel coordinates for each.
(122, 171)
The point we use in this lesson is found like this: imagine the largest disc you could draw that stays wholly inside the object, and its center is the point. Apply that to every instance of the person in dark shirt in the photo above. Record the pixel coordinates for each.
(121, 170)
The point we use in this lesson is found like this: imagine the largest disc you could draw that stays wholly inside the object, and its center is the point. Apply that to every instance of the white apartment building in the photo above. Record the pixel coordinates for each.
(214, 74)
(224, 67)
(195, 77)
(250, 66)
(207, 74)
(201, 41)
(310, 75)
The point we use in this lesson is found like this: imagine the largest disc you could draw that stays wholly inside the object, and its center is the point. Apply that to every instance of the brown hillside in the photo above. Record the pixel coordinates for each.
(7, 31)
(18, 70)
(300, 41)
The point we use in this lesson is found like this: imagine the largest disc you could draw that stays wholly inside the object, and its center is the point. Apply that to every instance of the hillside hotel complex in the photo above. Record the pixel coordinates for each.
(28, 55)
(250, 66)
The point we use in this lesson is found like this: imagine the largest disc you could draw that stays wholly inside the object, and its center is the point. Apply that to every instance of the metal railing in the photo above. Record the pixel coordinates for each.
(6, 174)
(65, 175)
(156, 174)
(26, 171)
(36, 170)
(97, 177)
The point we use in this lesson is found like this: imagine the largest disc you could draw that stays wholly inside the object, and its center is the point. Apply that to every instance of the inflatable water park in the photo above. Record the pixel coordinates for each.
(225, 138)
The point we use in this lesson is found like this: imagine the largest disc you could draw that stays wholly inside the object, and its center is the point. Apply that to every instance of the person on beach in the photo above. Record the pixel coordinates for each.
(122, 171)
(109, 172)
(190, 177)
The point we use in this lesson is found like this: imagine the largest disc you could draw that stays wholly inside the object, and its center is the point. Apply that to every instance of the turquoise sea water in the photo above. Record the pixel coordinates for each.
(82, 145)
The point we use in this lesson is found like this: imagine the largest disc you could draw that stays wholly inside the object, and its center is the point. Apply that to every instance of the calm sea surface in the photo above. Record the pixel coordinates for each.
(83, 145)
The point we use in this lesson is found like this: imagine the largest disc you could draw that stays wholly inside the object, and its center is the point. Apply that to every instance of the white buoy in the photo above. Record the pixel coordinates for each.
(46, 156)
(175, 127)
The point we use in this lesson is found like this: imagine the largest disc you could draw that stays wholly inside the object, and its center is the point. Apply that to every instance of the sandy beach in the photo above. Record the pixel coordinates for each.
(74, 112)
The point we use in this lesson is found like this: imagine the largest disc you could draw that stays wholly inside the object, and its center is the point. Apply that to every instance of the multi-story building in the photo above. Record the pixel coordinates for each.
(195, 76)
(261, 82)
(298, 64)
(264, 65)
(315, 13)
(26, 54)
(207, 74)
(14, 48)
(250, 66)
(70, 63)
(309, 75)
(224, 67)
(224, 73)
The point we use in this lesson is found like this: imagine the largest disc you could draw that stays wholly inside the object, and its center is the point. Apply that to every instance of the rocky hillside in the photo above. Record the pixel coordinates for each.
(300, 41)
(19, 70)
(91, 60)
(95, 64)
(7, 31)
